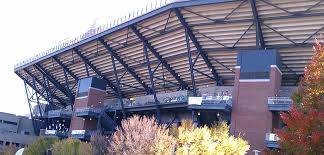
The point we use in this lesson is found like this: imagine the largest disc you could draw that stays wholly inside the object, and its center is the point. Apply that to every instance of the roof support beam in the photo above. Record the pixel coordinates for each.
(67, 70)
(192, 75)
(121, 61)
(118, 88)
(259, 35)
(51, 78)
(183, 84)
(196, 43)
(157, 103)
(87, 62)
(32, 85)
(44, 86)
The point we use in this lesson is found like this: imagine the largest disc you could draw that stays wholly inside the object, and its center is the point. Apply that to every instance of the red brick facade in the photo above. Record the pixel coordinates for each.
(250, 114)
(95, 98)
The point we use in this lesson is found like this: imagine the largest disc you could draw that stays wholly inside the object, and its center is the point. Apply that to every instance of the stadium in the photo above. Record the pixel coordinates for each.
(206, 60)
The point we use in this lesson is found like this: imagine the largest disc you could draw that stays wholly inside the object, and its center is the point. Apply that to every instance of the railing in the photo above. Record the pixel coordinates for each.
(59, 112)
(88, 109)
(272, 137)
(217, 100)
(56, 133)
(96, 30)
(205, 100)
(166, 100)
(279, 100)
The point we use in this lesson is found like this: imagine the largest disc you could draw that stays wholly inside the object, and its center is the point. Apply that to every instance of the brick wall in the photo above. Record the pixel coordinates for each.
(250, 115)
(95, 98)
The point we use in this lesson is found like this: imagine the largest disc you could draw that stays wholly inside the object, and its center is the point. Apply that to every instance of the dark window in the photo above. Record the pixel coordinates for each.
(83, 88)
(9, 122)
(7, 143)
(17, 144)
(26, 133)
(1, 142)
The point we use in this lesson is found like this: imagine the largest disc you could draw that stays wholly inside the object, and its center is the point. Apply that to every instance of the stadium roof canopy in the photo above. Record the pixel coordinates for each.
(213, 30)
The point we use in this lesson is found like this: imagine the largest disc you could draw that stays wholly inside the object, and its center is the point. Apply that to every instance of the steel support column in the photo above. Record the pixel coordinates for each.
(113, 53)
(30, 108)
(183, 84)
(158, 112)
(118, 88)
(50, 93)
(197, 45)
(194, 91)
(259, 35)
(71, 97)
(44, 86)
(87, 62)
(37, 99)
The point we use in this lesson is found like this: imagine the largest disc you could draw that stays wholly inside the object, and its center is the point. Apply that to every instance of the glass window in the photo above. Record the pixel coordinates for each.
(9, 122)
(7, 143)
(1, 142)
(83, 87)
(26, 133)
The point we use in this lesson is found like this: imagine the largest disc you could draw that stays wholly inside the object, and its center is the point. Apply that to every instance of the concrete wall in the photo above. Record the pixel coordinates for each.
(22, 133)
(6, 120)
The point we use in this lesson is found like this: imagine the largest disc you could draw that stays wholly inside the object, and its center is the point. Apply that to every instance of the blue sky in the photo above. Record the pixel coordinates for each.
(31, 27)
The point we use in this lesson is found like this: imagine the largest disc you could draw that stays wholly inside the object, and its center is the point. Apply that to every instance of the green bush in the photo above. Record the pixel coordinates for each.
(71, 147)
(39, 146)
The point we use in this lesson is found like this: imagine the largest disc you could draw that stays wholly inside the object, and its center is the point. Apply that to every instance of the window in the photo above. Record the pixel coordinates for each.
(17, 144)
(7, 143)
(1, 142)
(26, 133)
(9, 122)
(83, 87)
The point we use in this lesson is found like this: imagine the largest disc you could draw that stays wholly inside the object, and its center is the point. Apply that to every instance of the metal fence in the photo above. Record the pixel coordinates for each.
(88, 109)
(59, 112)
(279, 100)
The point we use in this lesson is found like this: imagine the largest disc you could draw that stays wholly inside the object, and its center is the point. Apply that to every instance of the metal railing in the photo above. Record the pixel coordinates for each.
(59, 112)
(217, 100)
(279, 100)
(271, 137)
(98, 29)
(89, 109)
(166, 100)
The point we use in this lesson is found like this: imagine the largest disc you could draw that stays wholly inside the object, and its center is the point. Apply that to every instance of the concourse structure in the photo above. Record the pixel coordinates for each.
(237, 61)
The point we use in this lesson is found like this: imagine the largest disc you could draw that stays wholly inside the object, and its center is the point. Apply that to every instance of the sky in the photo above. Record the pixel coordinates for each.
(31, 27)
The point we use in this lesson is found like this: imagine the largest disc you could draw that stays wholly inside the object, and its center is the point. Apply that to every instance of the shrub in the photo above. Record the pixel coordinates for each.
(208, 141)
(71, 147)
(141, 135)
(99, 144)
(9, 150)
(39, 146)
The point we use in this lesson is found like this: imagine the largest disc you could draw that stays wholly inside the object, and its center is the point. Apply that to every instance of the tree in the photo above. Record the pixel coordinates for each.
(9, 150)
(39, 146)
(304, 132)
(99, 144)
(208, 141)
(71, 147)
(141, 135)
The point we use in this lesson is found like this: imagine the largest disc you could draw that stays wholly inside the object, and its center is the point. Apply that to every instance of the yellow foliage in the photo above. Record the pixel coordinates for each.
(208, 141)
